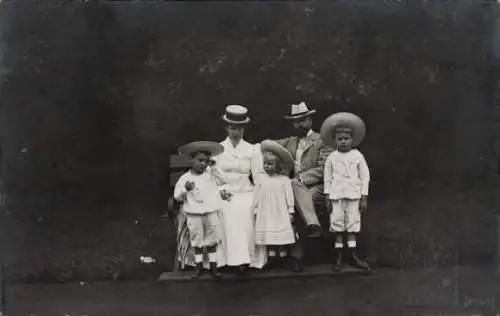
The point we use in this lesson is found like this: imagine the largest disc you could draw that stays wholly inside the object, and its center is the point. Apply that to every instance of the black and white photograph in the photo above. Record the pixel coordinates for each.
(250, 158)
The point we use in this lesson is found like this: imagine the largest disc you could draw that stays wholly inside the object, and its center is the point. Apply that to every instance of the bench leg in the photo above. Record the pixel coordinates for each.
(3, 288)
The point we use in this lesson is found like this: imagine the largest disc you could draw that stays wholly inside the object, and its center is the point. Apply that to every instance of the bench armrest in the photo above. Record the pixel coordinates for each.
(173, 207)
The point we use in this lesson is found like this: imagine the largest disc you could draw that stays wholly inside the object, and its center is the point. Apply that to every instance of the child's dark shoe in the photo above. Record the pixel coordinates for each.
(296, 265)
(198, 272)
(337, 263)
(214, 271)
(272, 263)
(357, 262)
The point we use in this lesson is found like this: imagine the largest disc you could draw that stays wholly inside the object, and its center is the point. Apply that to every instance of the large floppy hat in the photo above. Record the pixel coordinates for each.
(201, 146)
(236, 114)
(343, 120)
(280, 151)
(298, 111)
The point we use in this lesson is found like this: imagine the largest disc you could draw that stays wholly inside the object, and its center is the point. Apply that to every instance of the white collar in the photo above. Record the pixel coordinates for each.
(228, 143)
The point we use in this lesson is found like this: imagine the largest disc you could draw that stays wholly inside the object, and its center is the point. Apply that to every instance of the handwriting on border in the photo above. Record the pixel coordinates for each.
(488, 302)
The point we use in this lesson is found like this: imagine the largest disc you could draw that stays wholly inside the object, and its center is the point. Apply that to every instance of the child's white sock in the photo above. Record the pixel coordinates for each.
(339, 241)
(272, 253)
(212, 256)
(282, 253)
(351, 241)
(198, 258)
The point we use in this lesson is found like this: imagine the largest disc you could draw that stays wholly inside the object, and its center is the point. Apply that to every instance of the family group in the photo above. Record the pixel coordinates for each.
(240, 203)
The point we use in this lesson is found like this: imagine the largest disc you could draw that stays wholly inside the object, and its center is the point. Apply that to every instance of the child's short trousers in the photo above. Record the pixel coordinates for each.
(345, 216)
(203, 229)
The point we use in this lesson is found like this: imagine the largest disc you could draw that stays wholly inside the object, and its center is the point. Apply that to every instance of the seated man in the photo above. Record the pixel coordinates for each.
(310, 154)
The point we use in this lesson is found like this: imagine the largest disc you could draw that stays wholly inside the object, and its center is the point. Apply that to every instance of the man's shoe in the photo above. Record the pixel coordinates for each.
(314, 231)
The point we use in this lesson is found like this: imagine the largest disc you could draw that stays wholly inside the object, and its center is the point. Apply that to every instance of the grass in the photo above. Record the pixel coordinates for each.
(107, 251)
(426, 227)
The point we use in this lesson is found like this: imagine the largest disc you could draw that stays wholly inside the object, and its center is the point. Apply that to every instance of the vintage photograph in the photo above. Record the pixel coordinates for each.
(250, 158)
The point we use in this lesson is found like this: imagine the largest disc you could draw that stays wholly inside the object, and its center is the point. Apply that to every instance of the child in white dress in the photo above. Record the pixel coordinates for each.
(346, 180)
(274, 202)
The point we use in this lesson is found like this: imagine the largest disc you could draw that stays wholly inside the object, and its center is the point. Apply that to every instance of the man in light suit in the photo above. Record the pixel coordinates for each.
(310, 154)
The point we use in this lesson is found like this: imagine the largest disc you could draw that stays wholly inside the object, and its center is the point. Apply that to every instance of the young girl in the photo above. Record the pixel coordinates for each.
(346, 181)
(274, 203)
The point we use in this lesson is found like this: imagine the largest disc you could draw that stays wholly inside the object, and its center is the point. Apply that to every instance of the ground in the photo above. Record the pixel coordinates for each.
(452, 291)
(432, 227)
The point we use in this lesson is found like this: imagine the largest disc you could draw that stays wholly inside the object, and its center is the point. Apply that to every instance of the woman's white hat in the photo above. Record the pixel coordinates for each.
(236, 114)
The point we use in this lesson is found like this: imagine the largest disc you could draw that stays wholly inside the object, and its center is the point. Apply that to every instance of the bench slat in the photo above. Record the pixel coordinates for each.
(174, 176)
(179, 161)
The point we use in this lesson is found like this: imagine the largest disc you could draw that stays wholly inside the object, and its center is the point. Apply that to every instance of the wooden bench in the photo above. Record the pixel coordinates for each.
(177, 166)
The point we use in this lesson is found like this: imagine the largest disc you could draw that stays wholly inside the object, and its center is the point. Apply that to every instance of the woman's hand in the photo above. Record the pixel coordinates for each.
(292, 218)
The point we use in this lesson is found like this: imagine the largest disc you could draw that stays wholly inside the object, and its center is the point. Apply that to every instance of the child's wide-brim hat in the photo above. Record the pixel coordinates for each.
(213, 148)
(343, 119)
(236, 114)
(283, 154)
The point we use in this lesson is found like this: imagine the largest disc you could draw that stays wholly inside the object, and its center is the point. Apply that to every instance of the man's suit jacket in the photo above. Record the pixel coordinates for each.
(313, 159)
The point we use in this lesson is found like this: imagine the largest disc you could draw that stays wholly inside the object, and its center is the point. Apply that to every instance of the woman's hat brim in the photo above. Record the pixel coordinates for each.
(213, 148)
(299, 116)
(245, 121)
(345, 119)
(280, 151)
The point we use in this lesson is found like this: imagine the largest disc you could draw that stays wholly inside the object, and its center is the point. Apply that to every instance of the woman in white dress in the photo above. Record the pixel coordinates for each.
(234, 168)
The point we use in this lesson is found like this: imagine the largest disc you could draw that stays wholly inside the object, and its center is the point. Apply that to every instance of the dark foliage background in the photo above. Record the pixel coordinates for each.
(96, 95)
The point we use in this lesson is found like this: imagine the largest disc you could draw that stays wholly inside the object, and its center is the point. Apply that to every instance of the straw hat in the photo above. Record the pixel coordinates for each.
(280, 151)
(344, 120)
(236, 114)
(298, 111)
(201, 146)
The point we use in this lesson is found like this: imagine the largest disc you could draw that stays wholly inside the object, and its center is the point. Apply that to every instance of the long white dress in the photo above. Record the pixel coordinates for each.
(273, 204)
(234, 167)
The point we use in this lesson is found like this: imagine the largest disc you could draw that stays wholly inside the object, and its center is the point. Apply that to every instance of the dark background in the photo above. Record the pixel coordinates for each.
(95, 95)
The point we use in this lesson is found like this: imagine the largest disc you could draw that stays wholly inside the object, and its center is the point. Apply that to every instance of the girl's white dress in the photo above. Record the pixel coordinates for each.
(273, 204)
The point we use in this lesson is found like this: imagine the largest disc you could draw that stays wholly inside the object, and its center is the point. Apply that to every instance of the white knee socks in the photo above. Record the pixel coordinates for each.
(339, 241)
(212, 256)
(351, 241)
(198, 258)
